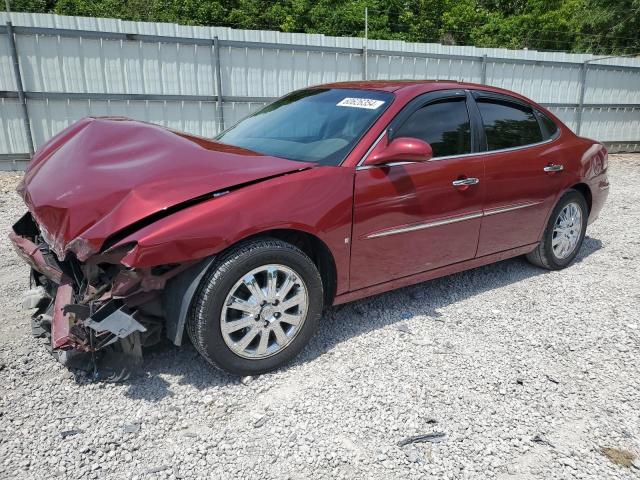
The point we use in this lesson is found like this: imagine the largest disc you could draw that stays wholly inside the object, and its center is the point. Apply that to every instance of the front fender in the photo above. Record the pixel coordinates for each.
(317, 201)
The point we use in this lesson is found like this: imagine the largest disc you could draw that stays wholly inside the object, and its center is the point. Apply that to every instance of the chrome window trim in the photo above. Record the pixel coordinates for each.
(392, 164)
(521, 147)
(451, 157)
(490, 152)
(422, 226)
(373, 145)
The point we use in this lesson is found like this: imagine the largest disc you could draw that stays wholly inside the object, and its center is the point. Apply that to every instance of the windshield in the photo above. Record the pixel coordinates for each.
(319, 125)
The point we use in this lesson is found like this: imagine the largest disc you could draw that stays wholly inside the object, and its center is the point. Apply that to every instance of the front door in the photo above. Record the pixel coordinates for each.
(413, 217)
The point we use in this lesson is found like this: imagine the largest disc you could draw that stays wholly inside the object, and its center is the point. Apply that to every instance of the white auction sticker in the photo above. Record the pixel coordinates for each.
(368, 103)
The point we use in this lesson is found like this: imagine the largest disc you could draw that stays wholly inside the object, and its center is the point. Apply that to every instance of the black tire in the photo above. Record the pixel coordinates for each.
(544, 256)
(204, 327)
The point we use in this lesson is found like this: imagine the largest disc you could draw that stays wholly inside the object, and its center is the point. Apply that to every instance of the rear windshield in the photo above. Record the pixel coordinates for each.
(318, 125)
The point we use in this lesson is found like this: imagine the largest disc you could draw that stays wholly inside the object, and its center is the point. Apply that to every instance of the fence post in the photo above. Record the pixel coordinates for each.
(219, 109)
(583, 88)
(365, 56)
(18, 77)
(365, 66)
(483, 75)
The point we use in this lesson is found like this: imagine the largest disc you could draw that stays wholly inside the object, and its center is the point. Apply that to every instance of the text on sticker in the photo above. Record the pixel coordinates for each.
(368, 103)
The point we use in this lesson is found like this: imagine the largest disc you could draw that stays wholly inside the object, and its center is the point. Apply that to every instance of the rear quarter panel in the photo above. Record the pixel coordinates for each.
(585, 161)
(594, 163)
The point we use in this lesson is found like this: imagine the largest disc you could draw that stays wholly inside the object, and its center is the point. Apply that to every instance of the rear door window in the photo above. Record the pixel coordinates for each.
(508, 124)
(549, 127)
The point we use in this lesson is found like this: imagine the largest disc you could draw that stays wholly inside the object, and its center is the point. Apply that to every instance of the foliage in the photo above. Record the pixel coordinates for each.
(597, 26)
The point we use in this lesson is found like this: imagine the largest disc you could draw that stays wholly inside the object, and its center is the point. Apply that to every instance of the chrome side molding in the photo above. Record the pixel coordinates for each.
(447, 221)
(422, 226)
(495, 211)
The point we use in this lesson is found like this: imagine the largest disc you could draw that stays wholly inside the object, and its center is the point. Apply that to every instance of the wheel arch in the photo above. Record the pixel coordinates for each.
(580, 187)
(181, 289)
(315, 248)
(585, 191)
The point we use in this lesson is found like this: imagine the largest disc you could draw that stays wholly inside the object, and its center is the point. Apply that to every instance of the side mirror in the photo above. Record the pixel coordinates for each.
(402, 149)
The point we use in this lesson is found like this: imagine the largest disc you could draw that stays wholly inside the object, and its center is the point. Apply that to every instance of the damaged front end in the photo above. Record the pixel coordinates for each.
(97, 314)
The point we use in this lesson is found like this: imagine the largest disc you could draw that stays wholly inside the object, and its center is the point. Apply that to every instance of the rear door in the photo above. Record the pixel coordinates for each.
(413, 217)
(521, 183)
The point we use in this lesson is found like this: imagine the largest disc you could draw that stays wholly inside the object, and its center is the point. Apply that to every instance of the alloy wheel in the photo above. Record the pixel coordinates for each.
(264, 311)
(567, 230)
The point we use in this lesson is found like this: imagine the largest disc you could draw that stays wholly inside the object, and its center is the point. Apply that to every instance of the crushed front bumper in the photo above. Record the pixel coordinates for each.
(75, 315)
(99, 307)
(61, 321)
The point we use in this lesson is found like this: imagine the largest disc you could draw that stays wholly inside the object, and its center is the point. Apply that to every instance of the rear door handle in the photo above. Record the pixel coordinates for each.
(465, 181)
(553, 168)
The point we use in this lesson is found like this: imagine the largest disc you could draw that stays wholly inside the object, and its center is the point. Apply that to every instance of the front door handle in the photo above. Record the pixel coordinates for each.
(465, 182)
(553, 168)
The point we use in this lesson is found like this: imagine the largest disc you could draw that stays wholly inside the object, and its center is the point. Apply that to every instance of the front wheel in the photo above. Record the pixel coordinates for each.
(257, 307)
(564, 233)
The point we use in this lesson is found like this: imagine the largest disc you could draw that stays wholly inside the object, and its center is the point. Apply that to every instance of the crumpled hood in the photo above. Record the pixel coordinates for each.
(101, 175)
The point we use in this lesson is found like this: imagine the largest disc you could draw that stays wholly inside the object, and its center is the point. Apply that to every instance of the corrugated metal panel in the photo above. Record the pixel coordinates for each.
(194, 117)
(611, 124)
(7, 81)
(88, 65)
(114, 25)
(607, 86)
(12, 137)
(567, 115)
(382, 67)
(51, 63)
(544, 84)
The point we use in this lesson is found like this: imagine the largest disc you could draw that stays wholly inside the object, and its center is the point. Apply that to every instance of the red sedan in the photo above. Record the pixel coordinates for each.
(330, 194)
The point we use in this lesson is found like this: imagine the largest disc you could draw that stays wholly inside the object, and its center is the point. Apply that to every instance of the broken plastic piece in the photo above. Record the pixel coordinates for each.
(114, 318)
(61, 323)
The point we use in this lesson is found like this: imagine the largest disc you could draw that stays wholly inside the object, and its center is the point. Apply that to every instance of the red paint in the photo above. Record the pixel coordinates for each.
(431, 274)
(101, 176)
(111, 173)
(517, 178)
(31, 254)
(409, 195)
(315, 201)
(61, 323)
(402, 150)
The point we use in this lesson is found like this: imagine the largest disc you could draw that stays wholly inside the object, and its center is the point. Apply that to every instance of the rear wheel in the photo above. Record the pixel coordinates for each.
(257, 307)
(564, 233)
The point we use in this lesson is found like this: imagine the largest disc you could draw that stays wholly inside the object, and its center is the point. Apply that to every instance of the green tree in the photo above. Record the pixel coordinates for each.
(597, 26)
(189, 12)
(609, 26)
(38, 6)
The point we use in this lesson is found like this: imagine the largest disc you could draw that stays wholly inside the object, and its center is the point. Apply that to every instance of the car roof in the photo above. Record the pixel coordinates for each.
(411, 88)
(418, 86)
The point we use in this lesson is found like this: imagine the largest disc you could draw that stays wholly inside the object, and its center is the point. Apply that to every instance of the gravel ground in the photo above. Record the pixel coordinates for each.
(527, 374)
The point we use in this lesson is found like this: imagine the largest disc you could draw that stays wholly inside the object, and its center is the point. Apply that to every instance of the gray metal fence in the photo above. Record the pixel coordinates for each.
(55, 70)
